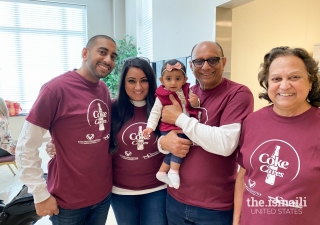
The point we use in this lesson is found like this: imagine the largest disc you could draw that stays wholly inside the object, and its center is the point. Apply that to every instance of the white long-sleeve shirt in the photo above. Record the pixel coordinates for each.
(221, 140)
(29, 161)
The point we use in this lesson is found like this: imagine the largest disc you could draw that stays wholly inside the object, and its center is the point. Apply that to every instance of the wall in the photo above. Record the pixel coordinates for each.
(131, 19)
(261, 25)
(223, 36)
(99, 15)
(178, 25)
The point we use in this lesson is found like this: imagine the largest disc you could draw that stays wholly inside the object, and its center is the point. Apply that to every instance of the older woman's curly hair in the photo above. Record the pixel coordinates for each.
(309, 62)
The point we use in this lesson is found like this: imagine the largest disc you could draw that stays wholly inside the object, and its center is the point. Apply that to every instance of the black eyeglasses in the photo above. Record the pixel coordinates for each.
(133, 58)
(213, 61)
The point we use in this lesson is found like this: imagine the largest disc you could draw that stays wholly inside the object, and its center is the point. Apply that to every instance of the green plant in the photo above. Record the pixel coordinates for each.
(125, 49)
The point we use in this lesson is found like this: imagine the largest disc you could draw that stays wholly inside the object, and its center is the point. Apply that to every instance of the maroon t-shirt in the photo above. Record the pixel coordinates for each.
(137, 160)
(281, 156)
(206, 179)
(77, 114)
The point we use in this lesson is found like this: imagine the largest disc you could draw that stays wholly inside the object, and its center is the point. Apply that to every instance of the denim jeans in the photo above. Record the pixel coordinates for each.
(147, 209)
(179, 214)
(91, 215)
(170, 157)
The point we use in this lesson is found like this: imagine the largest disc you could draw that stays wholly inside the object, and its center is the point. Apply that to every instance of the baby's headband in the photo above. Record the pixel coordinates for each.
(176, 66)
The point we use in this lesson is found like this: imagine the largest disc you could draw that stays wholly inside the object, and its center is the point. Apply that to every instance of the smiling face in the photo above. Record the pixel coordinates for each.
(208, 76)
(289, 85)
(99, 59)
(173, 80)
(136, 84)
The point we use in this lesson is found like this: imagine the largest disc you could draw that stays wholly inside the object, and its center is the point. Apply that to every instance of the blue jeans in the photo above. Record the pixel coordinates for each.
(179, 214)
(91, 215)
(147, 209)
(170, 157)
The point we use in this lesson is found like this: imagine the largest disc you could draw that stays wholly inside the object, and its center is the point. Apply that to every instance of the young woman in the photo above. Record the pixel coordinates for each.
(138, 197)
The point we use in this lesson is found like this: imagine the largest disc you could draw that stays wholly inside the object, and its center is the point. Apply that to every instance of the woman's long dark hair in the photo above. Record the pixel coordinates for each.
(122, 108)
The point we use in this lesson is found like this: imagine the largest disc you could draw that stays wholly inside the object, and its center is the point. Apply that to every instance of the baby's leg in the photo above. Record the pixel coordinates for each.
(164, 168)
(173, 174)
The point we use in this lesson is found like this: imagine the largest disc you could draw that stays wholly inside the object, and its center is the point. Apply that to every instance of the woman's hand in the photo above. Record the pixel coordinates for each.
(238, 196)
(51, 149)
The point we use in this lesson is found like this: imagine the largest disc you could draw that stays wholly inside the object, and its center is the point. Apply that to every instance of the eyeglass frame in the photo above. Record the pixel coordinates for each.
(206, 60)
(136, 57)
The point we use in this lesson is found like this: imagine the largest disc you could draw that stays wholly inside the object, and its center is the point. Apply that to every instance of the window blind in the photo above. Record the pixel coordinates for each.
(39, 41)
(145, 37)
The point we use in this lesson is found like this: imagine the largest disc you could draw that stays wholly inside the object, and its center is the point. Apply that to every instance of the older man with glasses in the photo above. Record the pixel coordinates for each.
(209, 169)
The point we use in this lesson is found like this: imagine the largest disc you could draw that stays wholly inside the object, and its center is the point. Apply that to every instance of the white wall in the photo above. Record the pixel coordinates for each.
(99, 16)
(131, 19)
(180, 24)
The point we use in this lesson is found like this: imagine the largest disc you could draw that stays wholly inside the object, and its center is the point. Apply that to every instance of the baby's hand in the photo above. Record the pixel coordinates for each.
(194, 100)
(146, 132)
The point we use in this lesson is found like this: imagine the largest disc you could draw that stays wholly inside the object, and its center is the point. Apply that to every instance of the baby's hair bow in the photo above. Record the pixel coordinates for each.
(176, 66)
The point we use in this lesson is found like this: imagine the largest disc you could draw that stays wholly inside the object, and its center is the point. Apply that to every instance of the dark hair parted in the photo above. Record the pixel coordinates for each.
(122, 108)
(93, 40)
(309, 62)
(172, 62)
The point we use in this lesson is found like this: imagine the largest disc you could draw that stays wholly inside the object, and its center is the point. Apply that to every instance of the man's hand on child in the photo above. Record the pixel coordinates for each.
(194, 100)
(146, 132)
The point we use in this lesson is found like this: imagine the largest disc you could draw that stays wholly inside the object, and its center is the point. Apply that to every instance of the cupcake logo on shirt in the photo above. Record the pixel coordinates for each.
(278, 160)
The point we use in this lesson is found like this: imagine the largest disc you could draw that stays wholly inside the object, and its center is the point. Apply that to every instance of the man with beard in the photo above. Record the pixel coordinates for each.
(75, 107)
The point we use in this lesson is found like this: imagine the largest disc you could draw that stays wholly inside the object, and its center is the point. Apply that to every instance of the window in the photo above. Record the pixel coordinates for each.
(145, 38)
(39, 41)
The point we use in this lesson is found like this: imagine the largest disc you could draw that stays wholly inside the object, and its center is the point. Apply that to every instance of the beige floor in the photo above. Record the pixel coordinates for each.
(10, 186)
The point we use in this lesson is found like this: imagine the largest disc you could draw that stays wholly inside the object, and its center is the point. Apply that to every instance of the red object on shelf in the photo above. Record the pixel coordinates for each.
(13, 108)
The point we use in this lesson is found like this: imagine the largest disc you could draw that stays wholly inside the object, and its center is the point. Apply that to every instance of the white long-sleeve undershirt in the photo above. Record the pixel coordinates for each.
(221, 140)
(29, 161)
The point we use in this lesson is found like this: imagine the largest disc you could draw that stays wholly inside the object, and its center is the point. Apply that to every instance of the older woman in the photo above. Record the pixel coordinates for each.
(278, 182)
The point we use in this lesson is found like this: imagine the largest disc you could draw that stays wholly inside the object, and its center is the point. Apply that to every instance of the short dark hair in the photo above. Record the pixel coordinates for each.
(222, 54)
(122, 108)
(173, 62)
(309, 62)
(93, 40)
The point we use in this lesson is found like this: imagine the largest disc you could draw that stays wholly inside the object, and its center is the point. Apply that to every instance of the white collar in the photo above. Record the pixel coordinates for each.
(138, 103)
